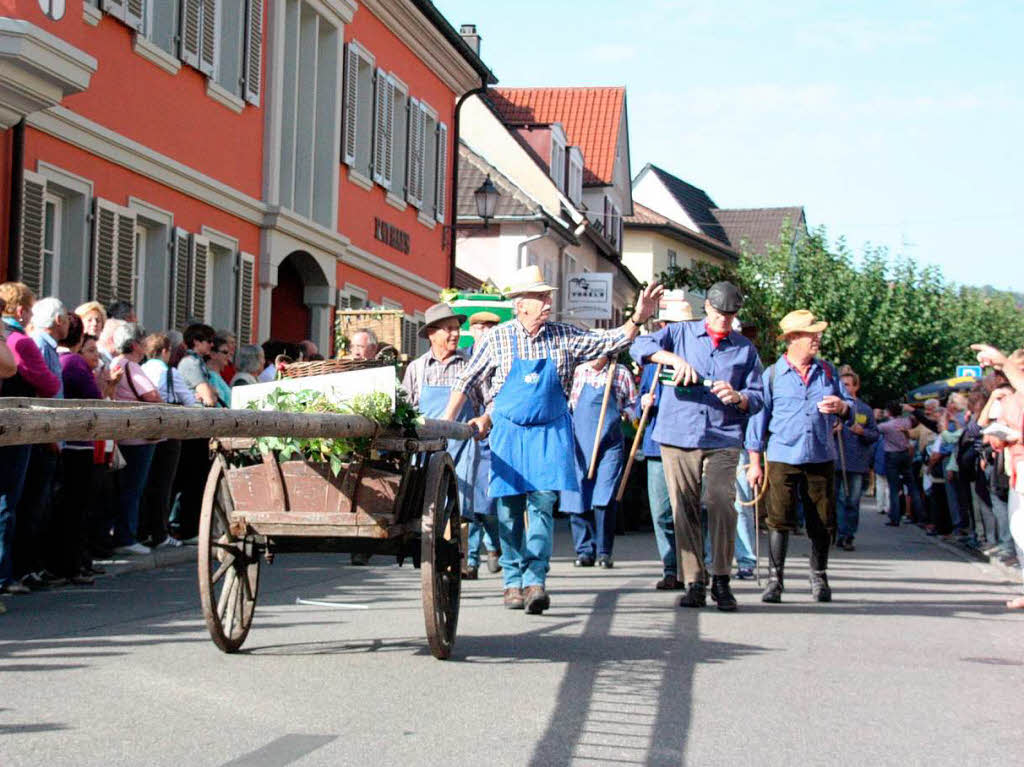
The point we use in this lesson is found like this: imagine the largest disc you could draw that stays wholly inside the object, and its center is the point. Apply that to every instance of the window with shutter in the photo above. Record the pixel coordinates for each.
(399, 135)
(253, 51)
(135, 14)
(179, 279)
(113, 8)
(414, 157)
(124, 263)
(428, 184)
(209, 36)
(33, 222)
(442, 172)
(199, 260)
(351, 101)
(380, 126)
(246, 294)
(104, 250)
(190, 31)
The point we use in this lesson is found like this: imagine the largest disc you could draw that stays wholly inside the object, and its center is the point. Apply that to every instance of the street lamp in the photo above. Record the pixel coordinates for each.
(486, 197)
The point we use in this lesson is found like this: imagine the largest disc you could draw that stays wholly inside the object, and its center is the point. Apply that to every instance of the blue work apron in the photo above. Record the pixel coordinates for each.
(531, 440)
(465, 453)
(601, 490)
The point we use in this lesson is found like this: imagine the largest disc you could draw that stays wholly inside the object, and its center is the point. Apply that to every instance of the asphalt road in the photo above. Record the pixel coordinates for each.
(915, 662)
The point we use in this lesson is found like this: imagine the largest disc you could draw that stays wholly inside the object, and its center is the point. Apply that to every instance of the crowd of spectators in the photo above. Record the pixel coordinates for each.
(67, 507)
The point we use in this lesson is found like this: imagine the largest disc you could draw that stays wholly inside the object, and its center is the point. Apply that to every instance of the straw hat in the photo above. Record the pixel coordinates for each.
(528, 280)
(801, 321)
(484, 317)
(679, 311)
(435, 314)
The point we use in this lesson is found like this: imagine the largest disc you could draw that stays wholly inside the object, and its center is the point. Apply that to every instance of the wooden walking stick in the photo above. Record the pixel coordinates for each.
(644, 417)
(842, 459)
(600, 419)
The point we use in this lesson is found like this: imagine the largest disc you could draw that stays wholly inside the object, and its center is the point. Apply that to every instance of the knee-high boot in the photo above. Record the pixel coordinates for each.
(820, 590)
(778, 544)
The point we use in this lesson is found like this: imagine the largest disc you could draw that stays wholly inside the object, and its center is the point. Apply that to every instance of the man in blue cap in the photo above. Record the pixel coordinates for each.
(715, 384)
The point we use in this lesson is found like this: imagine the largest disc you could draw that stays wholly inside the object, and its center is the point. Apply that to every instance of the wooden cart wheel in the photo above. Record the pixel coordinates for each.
(441, 566)
(229, 567)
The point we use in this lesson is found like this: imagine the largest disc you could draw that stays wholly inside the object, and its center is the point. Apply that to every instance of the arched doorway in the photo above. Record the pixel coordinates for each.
(299, 299)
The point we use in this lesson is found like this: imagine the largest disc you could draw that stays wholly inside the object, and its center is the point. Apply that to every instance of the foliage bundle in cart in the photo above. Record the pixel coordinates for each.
(336, 452)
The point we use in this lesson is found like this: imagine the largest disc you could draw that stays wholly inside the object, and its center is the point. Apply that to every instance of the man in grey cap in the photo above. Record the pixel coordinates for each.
(714, 385)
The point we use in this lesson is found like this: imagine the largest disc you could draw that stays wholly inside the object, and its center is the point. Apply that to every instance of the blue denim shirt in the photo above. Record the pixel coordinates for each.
(691, 417)
(48, 348)
(789, 422)
(860, 448)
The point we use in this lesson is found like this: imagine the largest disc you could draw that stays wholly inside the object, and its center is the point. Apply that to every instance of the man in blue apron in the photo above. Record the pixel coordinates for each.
(526, 366)
(428, 382)
(592, 508)
(714, 383)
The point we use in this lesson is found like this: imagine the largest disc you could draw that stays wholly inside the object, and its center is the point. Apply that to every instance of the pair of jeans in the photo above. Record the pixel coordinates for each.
(132, 481)
(745, 541)
(956, 518)
(526, 553)
(661, 515)
(13, 466)
(155, 514)
(593, 531)
(80, 492)
(848, 504)
(1000, 512)
(897, 474)
(482, 528)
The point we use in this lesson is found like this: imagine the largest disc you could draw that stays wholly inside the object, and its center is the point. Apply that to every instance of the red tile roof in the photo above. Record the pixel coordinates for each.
(591, 118)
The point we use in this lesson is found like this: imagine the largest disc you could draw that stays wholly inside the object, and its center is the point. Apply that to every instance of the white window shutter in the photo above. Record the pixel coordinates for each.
(180, 273)
(190, 31)
(209, 39)
(440, 198)
(253, 50)
(33, 220)
(246, 296)
(125, 261)
(114, 8)
(389, 141)
(351, 123)
(104, 250)
(199, 261)
(135, 14)
(380, 125)
(414, 164)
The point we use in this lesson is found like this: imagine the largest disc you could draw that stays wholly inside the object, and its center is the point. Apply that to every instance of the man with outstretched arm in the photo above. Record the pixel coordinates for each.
(802, 397)
(526, 366)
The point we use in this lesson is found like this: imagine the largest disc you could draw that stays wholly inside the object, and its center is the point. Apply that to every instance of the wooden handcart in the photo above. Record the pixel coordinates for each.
(404, 504)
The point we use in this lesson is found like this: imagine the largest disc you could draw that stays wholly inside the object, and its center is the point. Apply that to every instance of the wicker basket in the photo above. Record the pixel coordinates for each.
(385, 324)
(324, 367)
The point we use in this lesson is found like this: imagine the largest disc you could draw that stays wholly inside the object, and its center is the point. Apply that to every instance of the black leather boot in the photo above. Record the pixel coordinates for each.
(722, 594)
(778, 544)
(820, 590)
(695, 595)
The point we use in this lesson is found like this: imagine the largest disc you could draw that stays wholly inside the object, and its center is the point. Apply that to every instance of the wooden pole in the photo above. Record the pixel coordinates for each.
(84, 421)
(639, 436)
(600, 419)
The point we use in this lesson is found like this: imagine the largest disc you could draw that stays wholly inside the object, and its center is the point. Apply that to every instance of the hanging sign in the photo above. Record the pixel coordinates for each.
(588, 295)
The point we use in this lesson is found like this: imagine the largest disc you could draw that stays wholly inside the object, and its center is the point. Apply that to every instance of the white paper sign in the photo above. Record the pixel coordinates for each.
(339, 387)
(588, 295)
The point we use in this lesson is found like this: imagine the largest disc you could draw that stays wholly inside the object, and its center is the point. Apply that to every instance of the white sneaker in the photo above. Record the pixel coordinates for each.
(135, 548)
(170, 542)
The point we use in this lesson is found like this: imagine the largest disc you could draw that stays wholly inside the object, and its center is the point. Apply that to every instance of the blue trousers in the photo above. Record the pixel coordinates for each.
(897, 474)
(593, 531)
(848, 506)
(526, 554)
(661, 515)
(132, 479)
(13, 466)
(744, 516)
(482, 528)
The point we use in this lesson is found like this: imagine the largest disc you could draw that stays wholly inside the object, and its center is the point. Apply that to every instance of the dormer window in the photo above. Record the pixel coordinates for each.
(557, 158)
(575, 190)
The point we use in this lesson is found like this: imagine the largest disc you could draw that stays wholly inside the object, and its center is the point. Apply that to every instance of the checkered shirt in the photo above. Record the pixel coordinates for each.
(623, 388)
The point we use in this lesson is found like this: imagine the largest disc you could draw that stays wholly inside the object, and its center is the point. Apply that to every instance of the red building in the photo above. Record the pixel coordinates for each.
(241, 162)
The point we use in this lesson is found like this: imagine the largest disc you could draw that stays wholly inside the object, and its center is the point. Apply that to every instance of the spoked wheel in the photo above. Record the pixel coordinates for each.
(441, 567)
(229, 567)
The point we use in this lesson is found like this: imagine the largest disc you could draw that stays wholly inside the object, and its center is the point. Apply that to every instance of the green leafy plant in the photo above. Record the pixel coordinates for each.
(334, 451)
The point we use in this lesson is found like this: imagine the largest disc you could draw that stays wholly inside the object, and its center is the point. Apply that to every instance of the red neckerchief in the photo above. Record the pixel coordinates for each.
(805, 378)
(716, 337)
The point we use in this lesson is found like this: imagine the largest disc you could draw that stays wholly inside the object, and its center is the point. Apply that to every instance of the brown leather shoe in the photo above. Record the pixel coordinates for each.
(470, 573)
(536, 599)
(513, 598)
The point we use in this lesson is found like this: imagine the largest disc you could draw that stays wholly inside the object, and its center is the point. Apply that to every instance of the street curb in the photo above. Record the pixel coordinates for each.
(1010, 572)
(152, 561)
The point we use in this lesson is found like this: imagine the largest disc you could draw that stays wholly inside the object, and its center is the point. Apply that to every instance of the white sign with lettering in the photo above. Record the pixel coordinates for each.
(588, 296)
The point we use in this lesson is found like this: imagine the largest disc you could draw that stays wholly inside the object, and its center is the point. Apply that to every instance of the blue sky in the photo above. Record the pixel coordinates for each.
(894, 123)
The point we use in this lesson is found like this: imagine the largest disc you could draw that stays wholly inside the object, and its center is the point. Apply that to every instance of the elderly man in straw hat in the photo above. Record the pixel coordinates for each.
(527, 366)
(803, 395)
(715, 385)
